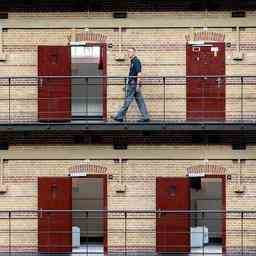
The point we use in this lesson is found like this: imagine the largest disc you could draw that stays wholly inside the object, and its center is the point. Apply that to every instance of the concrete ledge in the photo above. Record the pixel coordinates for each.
(131, 126)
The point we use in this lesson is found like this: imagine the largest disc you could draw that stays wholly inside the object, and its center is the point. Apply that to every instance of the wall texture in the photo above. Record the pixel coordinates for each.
(160, 40)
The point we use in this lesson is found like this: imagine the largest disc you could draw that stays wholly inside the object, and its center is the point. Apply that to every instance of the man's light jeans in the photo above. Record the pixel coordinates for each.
(131, 93)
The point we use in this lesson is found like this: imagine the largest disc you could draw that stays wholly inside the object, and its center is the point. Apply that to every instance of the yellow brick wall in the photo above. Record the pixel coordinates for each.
(162, 52)
(139, 177)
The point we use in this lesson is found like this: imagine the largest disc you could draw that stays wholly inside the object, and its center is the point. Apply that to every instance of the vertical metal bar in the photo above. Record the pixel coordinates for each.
(86, 97)
(242, 96)
(71, 100)
(87, 233)
(203, 98)
(164, 98)
(203, 215)
(125, 233)
(9, 101)
(126, 79)
(10, 242)
(49, 229)
(242, 233)
(125, 84)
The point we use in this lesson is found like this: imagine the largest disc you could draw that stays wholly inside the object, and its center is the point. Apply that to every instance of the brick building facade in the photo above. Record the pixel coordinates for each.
(131, 172)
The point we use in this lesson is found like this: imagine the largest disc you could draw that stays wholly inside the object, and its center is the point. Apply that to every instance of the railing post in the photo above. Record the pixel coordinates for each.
(203, 215)
(164, 97)
(126, 80)
(86, 97)
(242, 96)
(125, 232)
(10, 242)
(242, 233)
(87, 233)
(9, 101)
(125, 86)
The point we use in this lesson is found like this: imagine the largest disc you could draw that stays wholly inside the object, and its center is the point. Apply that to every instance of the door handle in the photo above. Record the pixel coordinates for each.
(160, 213)
(219, 81)
(41, 82)
(41, 213)
(163, 214)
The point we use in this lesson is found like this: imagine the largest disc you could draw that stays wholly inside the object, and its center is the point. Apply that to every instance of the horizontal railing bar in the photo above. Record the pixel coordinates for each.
(123, 77)
(130, 211)
(56, 108)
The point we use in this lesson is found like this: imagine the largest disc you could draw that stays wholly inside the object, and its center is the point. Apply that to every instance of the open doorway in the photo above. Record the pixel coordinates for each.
(196, 233)
(88, 101)
(207, 229)
(88, 223)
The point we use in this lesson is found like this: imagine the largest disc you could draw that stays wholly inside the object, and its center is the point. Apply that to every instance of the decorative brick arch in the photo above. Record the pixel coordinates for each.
(87, 169)
(207, 169)
(87, 36)
(206, 36)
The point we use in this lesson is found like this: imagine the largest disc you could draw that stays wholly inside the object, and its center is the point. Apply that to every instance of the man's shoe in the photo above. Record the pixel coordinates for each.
(143, 120)
(116, 119)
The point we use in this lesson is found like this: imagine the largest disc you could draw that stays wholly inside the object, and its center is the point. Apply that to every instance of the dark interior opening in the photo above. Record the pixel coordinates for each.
(88, 221)
(206, 227)
(87, 93)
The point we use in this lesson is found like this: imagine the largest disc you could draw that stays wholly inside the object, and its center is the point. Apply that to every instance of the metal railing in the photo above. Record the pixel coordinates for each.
(127, 232)
(87, 98)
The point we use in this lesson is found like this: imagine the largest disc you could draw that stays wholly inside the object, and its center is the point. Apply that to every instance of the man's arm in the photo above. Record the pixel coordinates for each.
(139, 73)
(139, 78)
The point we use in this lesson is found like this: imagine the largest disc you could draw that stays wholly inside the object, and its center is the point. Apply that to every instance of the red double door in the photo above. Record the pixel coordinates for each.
(54, 93)
(172, 229)
(205, 95)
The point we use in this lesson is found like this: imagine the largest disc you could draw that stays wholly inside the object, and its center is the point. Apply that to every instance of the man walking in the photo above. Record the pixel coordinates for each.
(133, 90)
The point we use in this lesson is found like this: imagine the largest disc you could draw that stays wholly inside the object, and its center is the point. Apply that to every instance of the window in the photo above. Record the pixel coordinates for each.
(81, 51)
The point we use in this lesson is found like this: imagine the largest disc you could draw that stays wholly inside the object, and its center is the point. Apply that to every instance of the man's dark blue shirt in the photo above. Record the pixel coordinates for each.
(135, 68)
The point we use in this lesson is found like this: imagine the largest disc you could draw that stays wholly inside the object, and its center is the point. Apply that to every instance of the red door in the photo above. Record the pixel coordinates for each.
(173, 229)
(55, 228)
(54, 94)
(206, 96)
